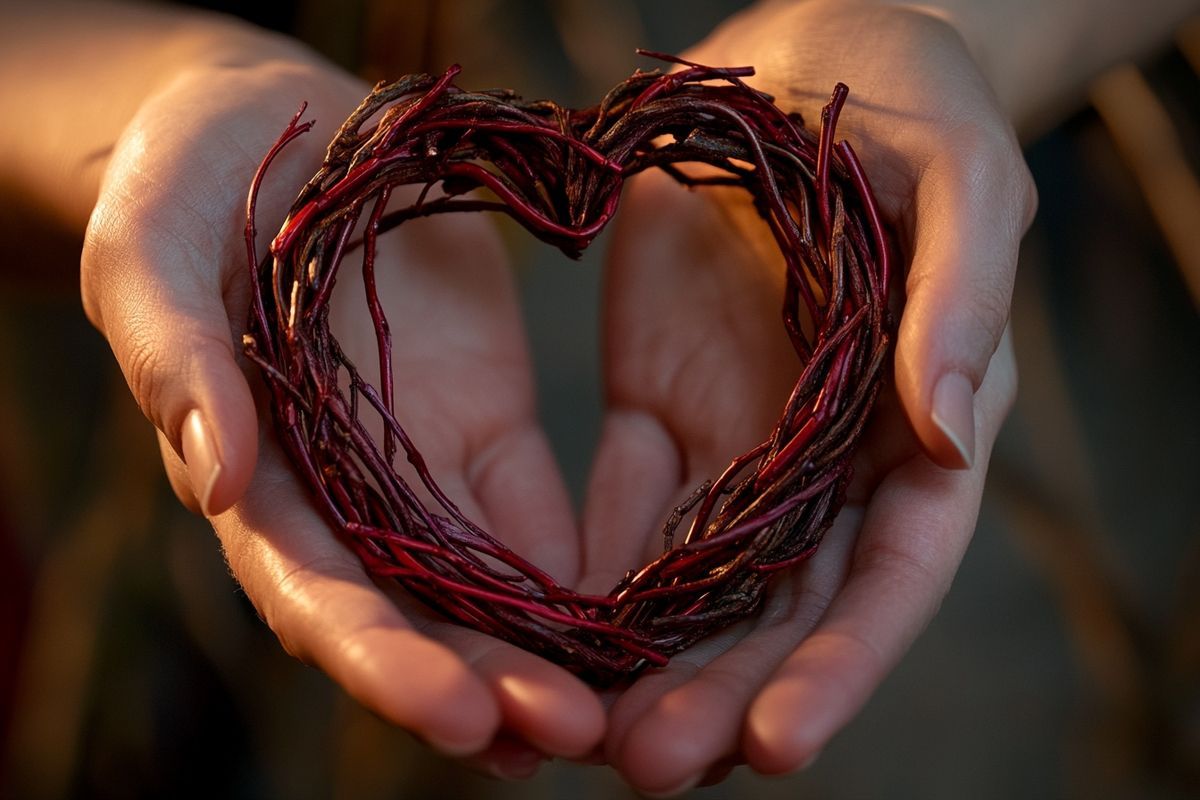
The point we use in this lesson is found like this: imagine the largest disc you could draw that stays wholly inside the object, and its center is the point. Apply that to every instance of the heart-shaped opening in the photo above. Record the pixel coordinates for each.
(559, 173)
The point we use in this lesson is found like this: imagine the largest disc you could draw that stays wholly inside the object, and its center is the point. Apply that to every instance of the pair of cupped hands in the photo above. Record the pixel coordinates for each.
(696, 368)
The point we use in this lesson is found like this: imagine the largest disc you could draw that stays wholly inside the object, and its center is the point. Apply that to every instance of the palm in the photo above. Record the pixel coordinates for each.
(699, 366)
(463, 389)
(698, 369)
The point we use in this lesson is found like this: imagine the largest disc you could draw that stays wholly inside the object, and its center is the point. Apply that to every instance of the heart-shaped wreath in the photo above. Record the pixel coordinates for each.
(559, 173)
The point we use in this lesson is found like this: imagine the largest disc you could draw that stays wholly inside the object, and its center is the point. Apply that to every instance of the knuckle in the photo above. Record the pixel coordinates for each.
(143, 362)
(991, 303)
(290, 639)
(984, 320)
(99, 257)
(999, 168)
(243, 556)
(991, 159)
(309, 584)
(914, 574)
(1006, 177)
(983, 163)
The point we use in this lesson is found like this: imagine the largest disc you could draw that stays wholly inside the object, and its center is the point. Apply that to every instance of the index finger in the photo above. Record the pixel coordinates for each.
(315, 596)
(973, 204)
(917, 527)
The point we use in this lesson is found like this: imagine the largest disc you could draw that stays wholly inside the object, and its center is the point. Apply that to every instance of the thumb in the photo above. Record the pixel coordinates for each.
(165, 318)
(971, 210)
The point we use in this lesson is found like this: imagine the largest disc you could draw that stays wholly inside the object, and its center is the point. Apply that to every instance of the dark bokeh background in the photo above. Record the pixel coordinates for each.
(1065, 661)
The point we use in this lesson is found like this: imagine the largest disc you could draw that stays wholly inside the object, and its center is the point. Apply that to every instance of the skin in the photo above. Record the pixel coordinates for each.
(939, 143)
(467, 396)
(684, 399)
(163, 278)
(158, 175)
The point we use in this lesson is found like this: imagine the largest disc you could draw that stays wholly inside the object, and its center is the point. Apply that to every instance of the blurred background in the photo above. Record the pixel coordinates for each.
(1065, 661)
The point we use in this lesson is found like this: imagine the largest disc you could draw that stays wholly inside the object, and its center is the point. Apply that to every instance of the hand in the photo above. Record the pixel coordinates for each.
(164, 278)
(698, 368)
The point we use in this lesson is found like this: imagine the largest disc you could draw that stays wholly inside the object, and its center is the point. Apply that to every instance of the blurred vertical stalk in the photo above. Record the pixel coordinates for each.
(75, 577)
(1149, 143)
(599, 46)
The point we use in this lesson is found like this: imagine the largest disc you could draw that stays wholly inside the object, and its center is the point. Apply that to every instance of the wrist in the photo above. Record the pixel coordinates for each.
(1040, 57)
(1009, 41)
(85, 71)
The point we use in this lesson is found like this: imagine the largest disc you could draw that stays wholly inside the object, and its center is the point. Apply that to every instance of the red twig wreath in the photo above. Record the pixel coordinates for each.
(559, 173)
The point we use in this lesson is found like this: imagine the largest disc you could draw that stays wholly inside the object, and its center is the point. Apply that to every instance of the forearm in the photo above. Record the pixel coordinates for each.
(1040, 55)
(74, 75)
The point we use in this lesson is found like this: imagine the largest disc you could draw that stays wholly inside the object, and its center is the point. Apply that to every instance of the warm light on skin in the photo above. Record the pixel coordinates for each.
(314, 595)
(565, 729)
(85, 68)
(157, 279)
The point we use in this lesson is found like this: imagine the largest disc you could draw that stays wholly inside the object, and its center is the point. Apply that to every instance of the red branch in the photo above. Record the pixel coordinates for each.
(559, 173)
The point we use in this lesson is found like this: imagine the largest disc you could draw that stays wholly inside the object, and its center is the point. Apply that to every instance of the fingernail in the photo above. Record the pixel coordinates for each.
(200, 455)
(678, 789)
(954, 414)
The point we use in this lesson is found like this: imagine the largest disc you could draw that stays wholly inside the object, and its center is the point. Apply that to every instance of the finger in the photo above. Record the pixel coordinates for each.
(672, 728)
(684, 396)
(161, 308)
(468, 402)
(507, 758)
(635, 475)
(541, 703)
(520, 490)
(973, 204)
(914, 534)
(314, 595)
(892, 593)
(516, 492)
(177, 475)
(163, 257)
(513, 490)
